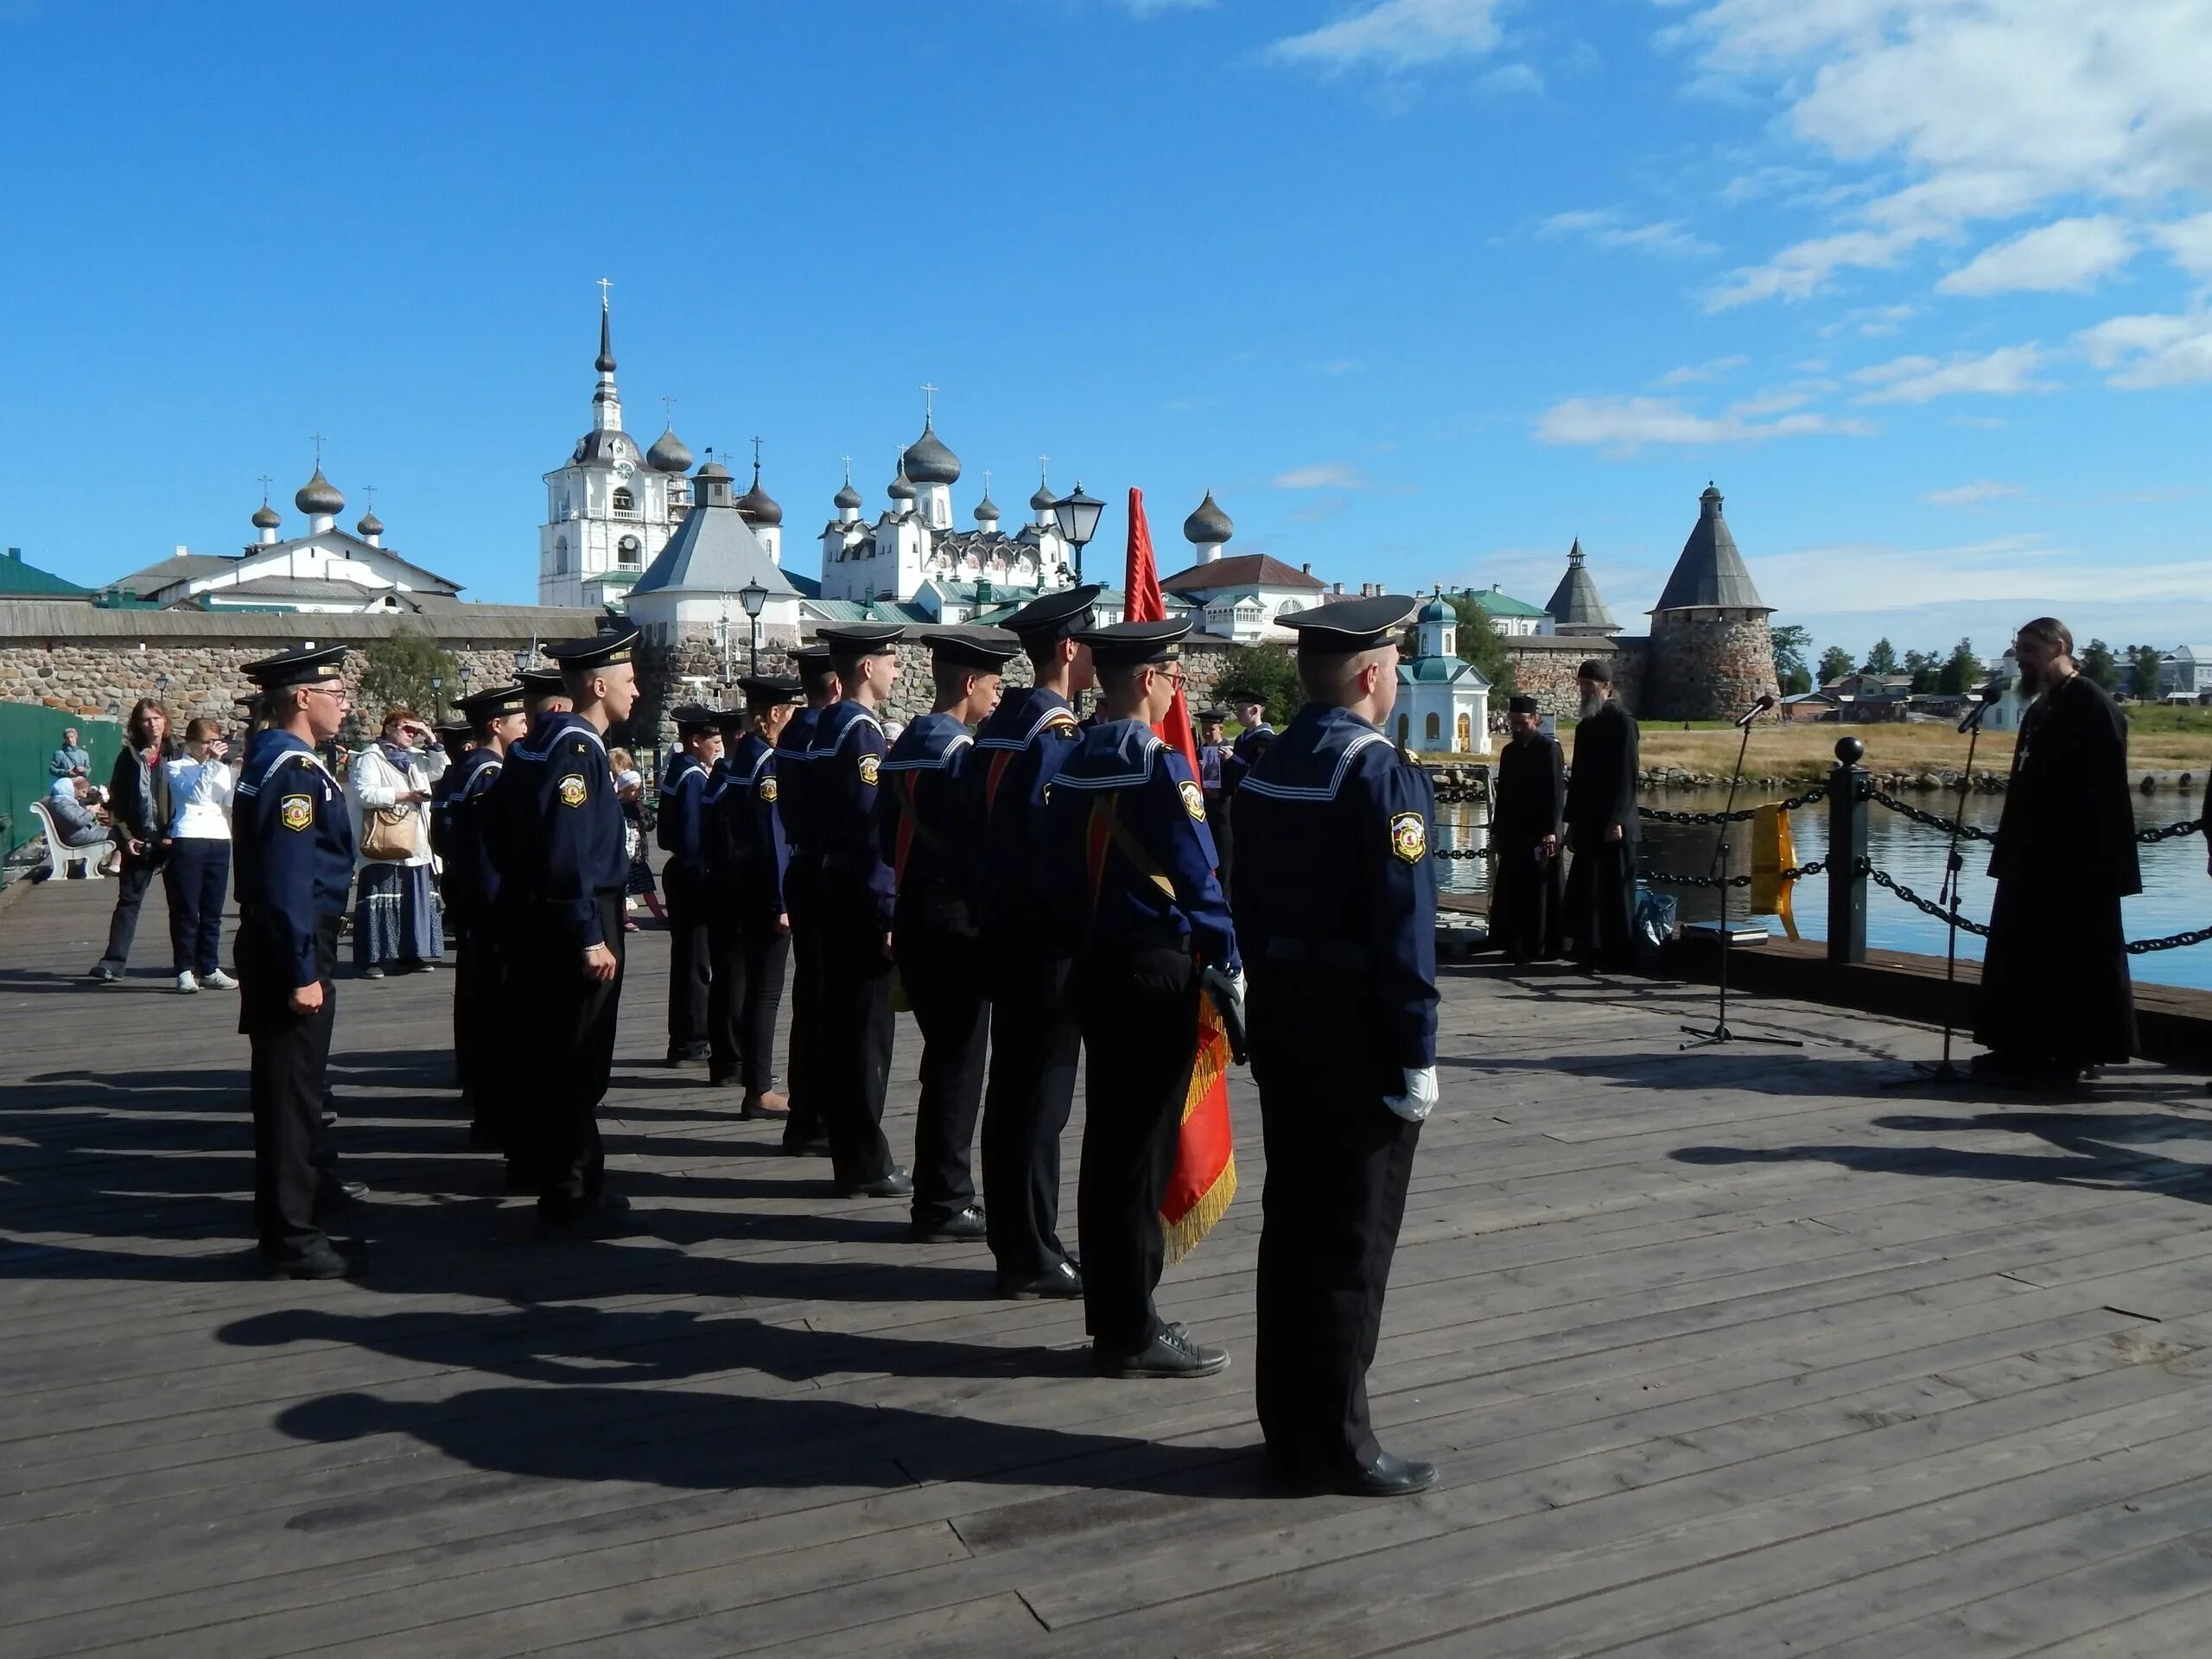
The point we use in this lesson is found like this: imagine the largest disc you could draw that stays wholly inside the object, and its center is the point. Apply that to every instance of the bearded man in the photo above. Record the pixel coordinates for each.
(1600, 921)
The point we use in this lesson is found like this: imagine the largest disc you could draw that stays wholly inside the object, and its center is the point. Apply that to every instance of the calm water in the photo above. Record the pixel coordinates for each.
(2177, 895)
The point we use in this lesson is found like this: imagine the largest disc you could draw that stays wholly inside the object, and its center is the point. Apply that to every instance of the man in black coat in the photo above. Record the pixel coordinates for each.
(1526, 878)
(1601, 825)
(2055, 994)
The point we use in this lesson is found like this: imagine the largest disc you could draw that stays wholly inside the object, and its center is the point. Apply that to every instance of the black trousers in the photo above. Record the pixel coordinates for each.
(802, 885)
(1035, 1045)
(1140, 1013)
(481, 1026)
(942, 972)
(131, 881)
(1339, 1162)
(570, 1045)
(196, 876)
(291, 1058)
(746, 953)
(689, 955)
(853, 1049)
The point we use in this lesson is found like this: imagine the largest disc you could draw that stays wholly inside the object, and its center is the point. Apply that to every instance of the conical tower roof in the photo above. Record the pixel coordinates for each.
(1710, 573)
(1574, 604)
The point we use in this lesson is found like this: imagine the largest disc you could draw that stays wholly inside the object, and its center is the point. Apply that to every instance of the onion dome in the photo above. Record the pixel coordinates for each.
(370, 525)
(928, 461)
(712, 469)
(1436, 611)
(1043, 499)
(902, 488)
(987, 510)
(756, 505)
(1208, 526)
(319, 495)
(265, 518)
(604, 364)
(848, 499)
(668, 453)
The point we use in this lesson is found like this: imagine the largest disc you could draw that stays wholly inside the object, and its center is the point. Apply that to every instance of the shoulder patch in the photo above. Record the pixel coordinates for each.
(571, 789)
(768, 788)
(870, 764)
(1061, 721)
(1409, 836)
(296, 812)
(1194, 800)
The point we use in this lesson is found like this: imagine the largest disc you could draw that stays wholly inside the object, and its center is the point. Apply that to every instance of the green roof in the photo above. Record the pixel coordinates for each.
(21, 581)
(1438, 670)
(1497, 604)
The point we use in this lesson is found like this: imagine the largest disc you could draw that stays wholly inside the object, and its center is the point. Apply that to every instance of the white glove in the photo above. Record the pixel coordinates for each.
(1420, 1097)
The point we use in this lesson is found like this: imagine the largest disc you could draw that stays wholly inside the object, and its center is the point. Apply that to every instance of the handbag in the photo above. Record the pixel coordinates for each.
(388, 835)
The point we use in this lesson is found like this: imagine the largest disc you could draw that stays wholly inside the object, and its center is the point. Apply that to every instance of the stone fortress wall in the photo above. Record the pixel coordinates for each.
(1710, 664)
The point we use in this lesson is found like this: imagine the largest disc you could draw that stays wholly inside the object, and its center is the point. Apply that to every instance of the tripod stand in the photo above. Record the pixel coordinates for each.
(1943, 1071)
(1701, 1036)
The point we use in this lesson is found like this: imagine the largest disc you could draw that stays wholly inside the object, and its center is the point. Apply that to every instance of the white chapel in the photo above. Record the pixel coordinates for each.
(1443, 703)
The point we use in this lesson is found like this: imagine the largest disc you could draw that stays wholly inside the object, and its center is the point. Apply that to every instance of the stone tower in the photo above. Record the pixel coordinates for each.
(1712, 653)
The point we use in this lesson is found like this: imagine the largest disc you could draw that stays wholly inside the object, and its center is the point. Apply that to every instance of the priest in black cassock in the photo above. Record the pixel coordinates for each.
(2056, 999)
(1601, 920)
(1527, 874)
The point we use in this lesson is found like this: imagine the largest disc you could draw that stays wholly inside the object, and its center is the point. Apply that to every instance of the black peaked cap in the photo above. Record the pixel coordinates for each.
(863, 639)
(1130, 644)
(1054, 615)
(599, 650)
(312, 666)
(990, 649)
(1350, 625)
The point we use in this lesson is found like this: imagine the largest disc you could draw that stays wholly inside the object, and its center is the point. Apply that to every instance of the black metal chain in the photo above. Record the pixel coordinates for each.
(2171, 832)
(1933, 820)
(1744, 815)
(1794, 872)
(2171, 942)
(1884, 879)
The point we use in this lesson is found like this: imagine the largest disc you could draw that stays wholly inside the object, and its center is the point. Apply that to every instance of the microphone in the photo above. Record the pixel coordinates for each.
(1983, 700)
(1752, 713)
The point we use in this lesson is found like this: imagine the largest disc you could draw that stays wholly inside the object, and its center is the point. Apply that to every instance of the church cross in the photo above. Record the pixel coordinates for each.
(369, 492)
(266, 481)
(929, 412)
(848, 469)
(669, 405)
(318, 438)
(756, 454)
(604, 284)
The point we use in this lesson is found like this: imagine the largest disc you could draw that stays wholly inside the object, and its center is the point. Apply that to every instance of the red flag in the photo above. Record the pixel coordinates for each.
(1205, 1158)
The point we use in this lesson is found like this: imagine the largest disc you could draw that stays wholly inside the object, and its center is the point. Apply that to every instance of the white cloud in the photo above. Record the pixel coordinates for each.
(2147, 352)
(2066, 254)
(1696, 374)
(1978, 493)
(1871, 322)
(1604, 227)
(1514, 78)
(2189, 241)
(1324, 476)
(1989, 108)
(2005, 373)
(1628, 423)
(1397, 35)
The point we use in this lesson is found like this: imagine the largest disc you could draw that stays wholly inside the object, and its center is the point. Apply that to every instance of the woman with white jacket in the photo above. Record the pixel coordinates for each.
(395, 920)
(198, 868)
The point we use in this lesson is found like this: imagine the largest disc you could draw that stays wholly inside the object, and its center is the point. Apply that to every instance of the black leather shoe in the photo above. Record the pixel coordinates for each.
(896, 1185)
(1172, 1354)
(818, 1147)
(962, 1227)
(688, 1053)
(1389, 1475)
(330, 1120)
(105, 974)
(606, 1215)
(339, 1198)
(1059, 1282)
(321, 1259)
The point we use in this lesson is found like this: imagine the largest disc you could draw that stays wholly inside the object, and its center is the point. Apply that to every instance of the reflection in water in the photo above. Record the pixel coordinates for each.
(2176, 896)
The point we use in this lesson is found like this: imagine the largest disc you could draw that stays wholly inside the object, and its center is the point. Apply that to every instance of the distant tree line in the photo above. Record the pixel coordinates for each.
(2133, 669)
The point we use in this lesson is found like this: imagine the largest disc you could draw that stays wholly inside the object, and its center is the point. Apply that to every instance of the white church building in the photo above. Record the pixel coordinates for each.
(1443, 703)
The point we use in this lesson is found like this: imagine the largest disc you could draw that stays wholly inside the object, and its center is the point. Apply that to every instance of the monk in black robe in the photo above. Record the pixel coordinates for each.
(1600, 921)
(1528, 876)
(2056, 998)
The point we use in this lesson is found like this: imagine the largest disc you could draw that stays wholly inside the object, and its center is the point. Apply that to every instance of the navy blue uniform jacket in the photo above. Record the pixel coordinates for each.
(744, 826)
(293, 849)
(843, 766)
(923, 821)
(557, 827)
(1018, 749)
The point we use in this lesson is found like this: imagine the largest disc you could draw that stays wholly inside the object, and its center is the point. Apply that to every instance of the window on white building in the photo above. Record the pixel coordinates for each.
(1434, 729)
(627, 553)
(560, 555)
(624, 502)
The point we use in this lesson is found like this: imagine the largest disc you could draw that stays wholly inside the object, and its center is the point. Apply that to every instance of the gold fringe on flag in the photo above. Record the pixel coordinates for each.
(1210, 1071)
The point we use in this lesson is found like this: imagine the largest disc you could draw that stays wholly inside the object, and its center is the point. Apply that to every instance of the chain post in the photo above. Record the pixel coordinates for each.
(1848, 785)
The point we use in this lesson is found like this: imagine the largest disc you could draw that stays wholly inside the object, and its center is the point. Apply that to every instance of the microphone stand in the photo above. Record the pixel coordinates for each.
(1701, 1037)
(1943, 1071)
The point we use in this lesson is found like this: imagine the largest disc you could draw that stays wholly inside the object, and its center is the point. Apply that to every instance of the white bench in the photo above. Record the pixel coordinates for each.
(59, 856)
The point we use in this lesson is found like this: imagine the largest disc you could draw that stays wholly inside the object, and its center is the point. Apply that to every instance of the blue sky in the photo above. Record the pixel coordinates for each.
(1423, 289)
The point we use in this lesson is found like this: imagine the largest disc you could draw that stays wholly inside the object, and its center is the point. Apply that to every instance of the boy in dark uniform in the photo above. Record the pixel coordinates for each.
(748, 931)
(818, 677)
(1342, 1035)
(294, 846)
(1035, 1040)
(472, 892)
(557, 837)
(1130, 872)
(928, 841)
(853, 896)
(684, 879)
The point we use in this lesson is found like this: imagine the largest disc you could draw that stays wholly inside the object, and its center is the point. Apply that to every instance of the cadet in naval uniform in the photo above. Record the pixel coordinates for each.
(748, 929)
(1342, 1035)
(683, 878)
(1035, 1040)
(481, 1011)
(817, 676)
(1130, 873)
(556, 835)
(928, 840)
(294, 861)
(853, 896)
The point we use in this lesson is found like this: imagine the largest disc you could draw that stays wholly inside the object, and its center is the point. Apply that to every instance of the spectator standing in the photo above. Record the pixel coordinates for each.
(630, 791)
(70, 760)
(138, 819)
(395, 920)
(198, 868)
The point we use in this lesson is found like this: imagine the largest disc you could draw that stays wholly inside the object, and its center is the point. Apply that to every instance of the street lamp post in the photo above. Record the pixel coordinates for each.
(1078, 517)
(721, 639)
(437, 698)
(752, 596)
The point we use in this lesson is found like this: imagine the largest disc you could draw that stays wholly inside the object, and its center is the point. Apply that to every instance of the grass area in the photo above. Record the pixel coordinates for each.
(2159, 739)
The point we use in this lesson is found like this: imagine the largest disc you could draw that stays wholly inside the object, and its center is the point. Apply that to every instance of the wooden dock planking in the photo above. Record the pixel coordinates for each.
(1719, 1351)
